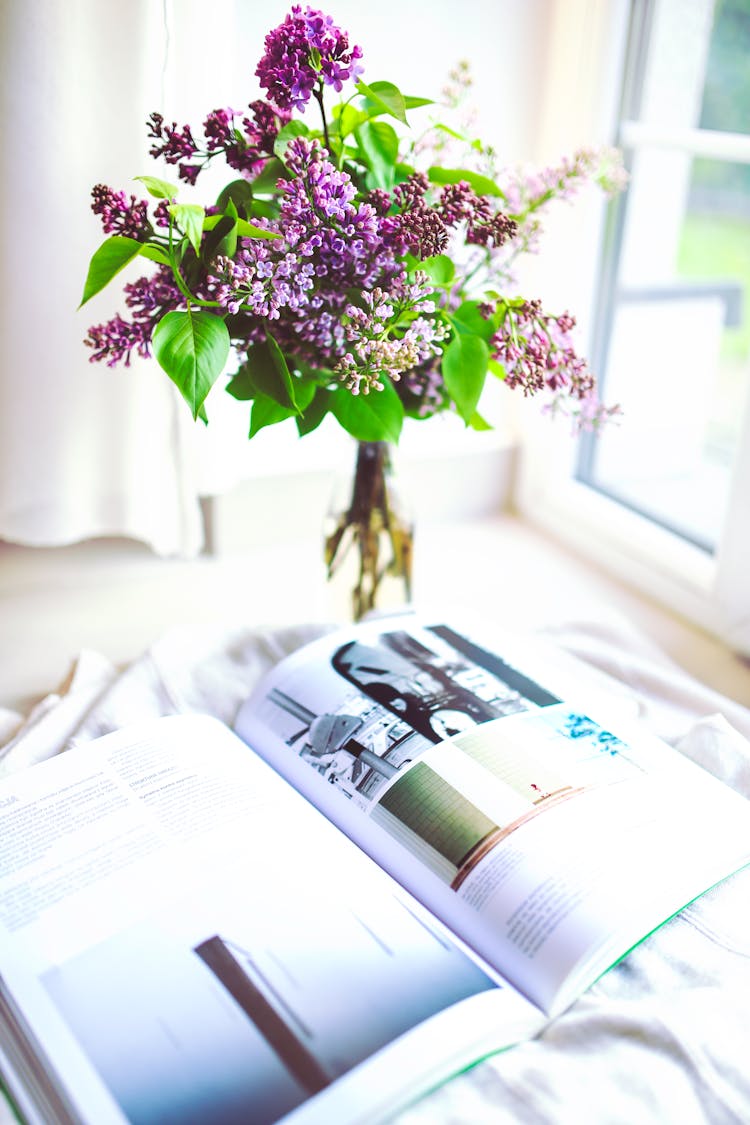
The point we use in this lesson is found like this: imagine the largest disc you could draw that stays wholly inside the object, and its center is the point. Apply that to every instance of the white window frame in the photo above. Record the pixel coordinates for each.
(712, 591)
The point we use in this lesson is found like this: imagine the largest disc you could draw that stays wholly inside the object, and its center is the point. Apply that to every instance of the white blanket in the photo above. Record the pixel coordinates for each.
(663, 1037)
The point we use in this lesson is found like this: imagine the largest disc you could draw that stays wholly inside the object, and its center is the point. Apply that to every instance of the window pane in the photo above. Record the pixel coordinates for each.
(675, 347)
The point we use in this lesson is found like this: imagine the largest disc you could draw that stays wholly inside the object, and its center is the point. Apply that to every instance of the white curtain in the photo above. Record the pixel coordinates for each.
(86, 450)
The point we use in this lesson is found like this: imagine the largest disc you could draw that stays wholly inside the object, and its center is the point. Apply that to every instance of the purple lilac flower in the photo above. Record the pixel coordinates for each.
(287, 70)
(120, 215)
(330, 245)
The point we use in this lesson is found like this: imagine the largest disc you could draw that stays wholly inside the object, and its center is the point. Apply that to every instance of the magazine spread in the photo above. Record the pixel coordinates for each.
(186, 938)
(548, 842)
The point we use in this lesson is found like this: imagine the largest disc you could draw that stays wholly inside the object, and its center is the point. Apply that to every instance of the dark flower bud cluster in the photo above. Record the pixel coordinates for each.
(305, 50)
(245, 145)
(119, 214)
(149, 299)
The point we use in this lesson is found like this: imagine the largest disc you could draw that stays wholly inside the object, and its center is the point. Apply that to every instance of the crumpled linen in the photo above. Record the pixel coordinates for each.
(662, 1037)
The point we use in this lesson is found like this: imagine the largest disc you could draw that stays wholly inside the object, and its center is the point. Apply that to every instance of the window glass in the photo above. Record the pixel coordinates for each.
(674, 346)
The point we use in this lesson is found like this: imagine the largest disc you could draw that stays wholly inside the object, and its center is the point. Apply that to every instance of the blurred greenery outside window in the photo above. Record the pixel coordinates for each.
(673, 337)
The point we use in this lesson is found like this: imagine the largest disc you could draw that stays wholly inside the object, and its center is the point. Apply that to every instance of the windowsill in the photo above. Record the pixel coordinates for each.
(116, 597)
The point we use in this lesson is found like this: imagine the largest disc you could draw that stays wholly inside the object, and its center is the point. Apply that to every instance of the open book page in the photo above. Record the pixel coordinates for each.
(548, 842)
(186, 939)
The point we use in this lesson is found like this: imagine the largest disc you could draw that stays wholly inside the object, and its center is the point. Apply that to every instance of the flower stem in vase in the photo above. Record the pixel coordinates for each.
(374, 521)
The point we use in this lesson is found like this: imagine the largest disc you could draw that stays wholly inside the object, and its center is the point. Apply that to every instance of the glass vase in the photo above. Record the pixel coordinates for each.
(369, 535)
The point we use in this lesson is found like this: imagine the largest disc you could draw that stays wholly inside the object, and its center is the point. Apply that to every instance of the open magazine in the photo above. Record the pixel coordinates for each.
(186, 938)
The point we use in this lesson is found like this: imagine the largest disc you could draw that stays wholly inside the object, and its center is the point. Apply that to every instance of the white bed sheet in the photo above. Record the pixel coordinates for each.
(664, 1036)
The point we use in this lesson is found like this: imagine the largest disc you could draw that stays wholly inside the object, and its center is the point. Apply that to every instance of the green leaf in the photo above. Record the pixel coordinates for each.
(265, 182)
(241, 385)
(268, 375)
(192, 347)
(348, 119)
(497, 369)
(315, 411)
(249, 230)
(286, 135)
(238, 192)
(377, 416)
(477, 422)
(482, 185)
(468, 320)
(266, 412)
(415, 103)
(220, 239)
(155, 254)
(439, 269)
(112, 256)
(378, 143)
(464, 370)
(189, 218)
(387, 97)
(160, 189)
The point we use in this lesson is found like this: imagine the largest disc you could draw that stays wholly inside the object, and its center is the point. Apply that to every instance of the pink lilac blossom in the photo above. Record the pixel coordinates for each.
(374, 349)
(290, 70)
(537, 352)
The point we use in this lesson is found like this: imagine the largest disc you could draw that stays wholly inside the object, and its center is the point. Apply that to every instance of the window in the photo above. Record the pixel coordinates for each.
(675, 327)
(660, 497)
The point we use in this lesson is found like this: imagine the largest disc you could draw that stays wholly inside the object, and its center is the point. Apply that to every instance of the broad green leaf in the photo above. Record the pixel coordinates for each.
(464, 370)
(468, 321)
(189, 218)
(245, 229)
(112, 256)
(348, 119)
(238, 192)
(415, 103)
(160, 189)
(287, 134)
(249, 230)
(378, 143)
(266, 412)
(221, 238)
(496, 368)
(387, 97)
(314, 413)
(268, 374)
(377, 416)
(477, 422)
(241, 386)
(192, 347)
(482, 185)
(439, 269)
(266, 180)
(154, 254)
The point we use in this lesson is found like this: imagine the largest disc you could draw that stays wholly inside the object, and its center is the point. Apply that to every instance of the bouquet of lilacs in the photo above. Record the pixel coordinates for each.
(349, 267)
